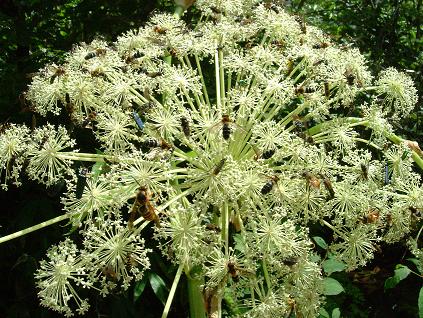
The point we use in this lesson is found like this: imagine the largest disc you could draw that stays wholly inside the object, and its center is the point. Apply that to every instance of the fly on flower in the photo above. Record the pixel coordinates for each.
(273, 180)
(219, 167)
(154, 143)
(57, 72)
(226, 124)
(132, 58)
(328, 185)
(89, 120)
(311, 179)
(96, 52)
(266, 154)
(234, 270)
(143, 207)
(185, 126)
(364, 171)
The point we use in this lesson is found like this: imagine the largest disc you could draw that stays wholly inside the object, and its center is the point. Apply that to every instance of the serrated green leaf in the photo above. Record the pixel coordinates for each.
(139, 287)
(321, 242)
(420, 303)
(332, 265)
(336, 313)
(331, 287)
(323, 313)
(159, 287)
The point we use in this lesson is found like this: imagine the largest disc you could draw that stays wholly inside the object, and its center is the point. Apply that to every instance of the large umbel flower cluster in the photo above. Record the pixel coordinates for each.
(228, 135)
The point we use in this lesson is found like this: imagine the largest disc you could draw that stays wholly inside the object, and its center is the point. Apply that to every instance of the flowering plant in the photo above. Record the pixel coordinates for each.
(229, 135)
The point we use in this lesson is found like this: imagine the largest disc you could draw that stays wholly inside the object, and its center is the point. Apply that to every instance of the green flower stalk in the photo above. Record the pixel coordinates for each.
(229, 135)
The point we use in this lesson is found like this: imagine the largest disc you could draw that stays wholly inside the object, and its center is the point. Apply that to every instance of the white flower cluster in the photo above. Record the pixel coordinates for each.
(112, 255)
(230, 137)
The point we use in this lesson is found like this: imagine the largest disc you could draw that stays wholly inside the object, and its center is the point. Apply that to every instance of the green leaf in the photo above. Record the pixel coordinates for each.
(336, 313)
(99, 168)
(420, 303)
(415, 261)
(63, 33)
(400, 273)
(239, 242)
(331, 287)
(390, 282)
(159, 287)
(321, 242)
(332, 265)
(139, 287)
(323, 313)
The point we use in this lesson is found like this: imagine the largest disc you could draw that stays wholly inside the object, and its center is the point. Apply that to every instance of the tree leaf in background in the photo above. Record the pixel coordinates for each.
(331, 287)
(321, 242)
(139, 287)
(323, 313)
(332, 265)
(400, 273)
(159, 287)
(336, 313)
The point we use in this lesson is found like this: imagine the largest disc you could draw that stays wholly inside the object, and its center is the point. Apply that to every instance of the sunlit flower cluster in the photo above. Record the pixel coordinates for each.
(233, 137)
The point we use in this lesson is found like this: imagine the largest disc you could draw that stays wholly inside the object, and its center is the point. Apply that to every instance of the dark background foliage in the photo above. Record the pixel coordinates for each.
(36, 32)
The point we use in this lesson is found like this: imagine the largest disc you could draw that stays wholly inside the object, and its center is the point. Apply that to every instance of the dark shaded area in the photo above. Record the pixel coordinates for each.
(364, 294)
(37, 32)
(32, 34)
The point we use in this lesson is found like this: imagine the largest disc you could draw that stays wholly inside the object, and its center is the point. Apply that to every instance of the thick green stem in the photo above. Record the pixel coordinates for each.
(332, 228)
(266, 274)
(195, 298)
(217, 76)
(222, 77)
(179, 11)
(33, 228)
(173, 290)
(225, 227)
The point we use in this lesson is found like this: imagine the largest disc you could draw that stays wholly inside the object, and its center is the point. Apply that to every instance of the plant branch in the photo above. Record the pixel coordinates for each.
(173, 290)
(34, 228)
